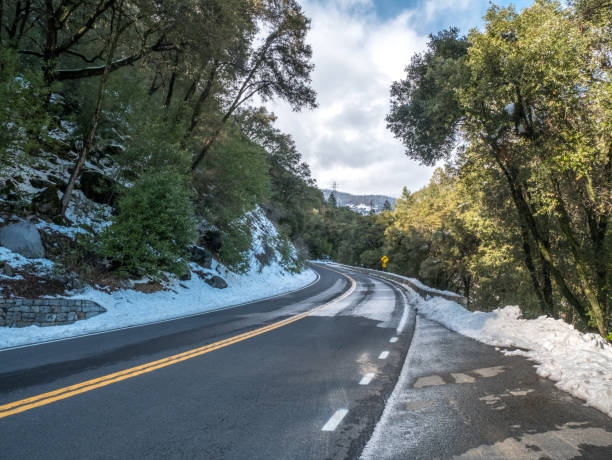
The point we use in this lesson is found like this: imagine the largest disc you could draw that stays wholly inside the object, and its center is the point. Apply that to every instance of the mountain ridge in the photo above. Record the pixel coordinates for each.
(360, 203)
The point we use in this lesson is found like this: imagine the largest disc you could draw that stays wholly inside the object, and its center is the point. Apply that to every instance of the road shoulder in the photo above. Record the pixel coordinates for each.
(459, 397)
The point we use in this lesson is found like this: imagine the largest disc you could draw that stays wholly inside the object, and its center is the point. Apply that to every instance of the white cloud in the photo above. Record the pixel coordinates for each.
(358, 55)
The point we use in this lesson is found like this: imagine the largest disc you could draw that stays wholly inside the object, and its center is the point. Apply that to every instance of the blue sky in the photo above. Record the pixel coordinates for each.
(359, 48)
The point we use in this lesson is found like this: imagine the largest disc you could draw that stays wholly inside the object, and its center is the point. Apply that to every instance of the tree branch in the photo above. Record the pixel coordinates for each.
(101, 9)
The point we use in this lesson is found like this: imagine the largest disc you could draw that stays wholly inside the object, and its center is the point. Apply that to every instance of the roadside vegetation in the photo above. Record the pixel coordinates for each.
(148, 109)
(142, 112)
(520, 113)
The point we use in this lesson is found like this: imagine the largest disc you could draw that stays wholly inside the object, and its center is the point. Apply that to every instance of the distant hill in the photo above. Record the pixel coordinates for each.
(360, 203)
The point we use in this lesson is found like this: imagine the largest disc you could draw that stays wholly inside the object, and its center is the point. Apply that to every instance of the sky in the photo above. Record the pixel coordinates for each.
(359, 48)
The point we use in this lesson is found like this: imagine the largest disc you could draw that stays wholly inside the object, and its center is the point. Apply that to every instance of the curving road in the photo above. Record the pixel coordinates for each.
(314, 374)
(263, 380)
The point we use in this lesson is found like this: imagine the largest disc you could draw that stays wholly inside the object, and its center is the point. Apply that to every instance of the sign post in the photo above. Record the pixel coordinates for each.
(384, 260)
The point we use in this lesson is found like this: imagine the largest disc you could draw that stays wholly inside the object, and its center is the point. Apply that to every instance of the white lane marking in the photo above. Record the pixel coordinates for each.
(393, 339)
(335, 420)
(383, 355)
(367, 378)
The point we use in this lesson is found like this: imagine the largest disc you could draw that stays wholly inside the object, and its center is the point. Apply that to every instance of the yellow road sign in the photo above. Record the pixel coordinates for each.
(384, 259)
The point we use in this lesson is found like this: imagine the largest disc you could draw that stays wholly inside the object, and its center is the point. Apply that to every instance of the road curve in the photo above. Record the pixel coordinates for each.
(271, 379)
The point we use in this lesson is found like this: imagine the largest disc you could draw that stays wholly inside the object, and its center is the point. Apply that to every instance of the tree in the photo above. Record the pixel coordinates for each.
(280, 66)
(62, 32)
(89, 140)
(525, 95)
(153, 228)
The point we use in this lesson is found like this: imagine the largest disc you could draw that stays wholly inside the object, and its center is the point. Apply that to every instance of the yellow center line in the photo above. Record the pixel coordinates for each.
(88, 385)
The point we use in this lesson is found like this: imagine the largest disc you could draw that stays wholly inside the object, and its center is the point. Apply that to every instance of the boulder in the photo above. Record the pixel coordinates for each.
(99, 188)
(47, 202)
(22, 238)
(201, 256)
(216, 282)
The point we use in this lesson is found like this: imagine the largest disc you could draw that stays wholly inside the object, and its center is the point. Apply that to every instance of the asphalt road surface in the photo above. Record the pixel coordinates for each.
(301, 376)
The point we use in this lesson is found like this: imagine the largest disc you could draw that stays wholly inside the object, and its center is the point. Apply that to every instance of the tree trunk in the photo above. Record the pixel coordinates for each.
(525, 213)
(171, 82)
(89, 140)
(49, 54)
(598, 310)
(197, 109)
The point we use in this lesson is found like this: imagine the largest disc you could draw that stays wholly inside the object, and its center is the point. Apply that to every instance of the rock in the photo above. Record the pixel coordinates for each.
(100, 188)
(216, 282)
(126, 284)
(201, 256)
(47, 203)
(22, 238)
(76, 284)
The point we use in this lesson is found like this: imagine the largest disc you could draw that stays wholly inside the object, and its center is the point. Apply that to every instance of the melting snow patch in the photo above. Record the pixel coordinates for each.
(581, 364)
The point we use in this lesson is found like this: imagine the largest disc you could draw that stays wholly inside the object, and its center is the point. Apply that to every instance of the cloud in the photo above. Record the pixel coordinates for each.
(358, 53)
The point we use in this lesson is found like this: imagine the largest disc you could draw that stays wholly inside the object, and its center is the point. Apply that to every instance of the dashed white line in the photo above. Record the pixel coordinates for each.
(393, 339)
(335, 420)
(367, 378)
(383, 355)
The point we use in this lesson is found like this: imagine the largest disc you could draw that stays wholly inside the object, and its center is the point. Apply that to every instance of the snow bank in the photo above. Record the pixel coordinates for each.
(128, 307)
(581, 364)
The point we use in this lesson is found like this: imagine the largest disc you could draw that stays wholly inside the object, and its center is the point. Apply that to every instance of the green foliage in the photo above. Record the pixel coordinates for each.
(153, 228)
(234, 180)
(425, 110)
(530, 98)
(22, 114)
(236, 241)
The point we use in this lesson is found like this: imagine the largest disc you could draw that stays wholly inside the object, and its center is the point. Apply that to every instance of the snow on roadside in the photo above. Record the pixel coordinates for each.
(127, 307)
(579, 363)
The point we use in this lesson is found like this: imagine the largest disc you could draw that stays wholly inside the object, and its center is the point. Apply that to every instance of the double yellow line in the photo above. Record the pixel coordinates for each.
(88, 385)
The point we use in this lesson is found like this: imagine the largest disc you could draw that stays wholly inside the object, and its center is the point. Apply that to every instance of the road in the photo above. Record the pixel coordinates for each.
(267, 396)
(301, 376)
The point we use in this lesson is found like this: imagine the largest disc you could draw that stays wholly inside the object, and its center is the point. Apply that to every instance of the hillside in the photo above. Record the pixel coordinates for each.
(360, 203)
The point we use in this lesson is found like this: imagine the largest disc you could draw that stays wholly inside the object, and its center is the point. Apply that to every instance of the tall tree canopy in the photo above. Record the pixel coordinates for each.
(530, 98)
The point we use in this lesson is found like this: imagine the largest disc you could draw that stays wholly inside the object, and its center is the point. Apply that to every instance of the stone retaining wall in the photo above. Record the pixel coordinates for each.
(46, 312)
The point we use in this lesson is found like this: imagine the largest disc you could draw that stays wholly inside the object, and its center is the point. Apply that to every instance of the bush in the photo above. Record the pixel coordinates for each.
(22, 111)
(236, 241)
(153, 227)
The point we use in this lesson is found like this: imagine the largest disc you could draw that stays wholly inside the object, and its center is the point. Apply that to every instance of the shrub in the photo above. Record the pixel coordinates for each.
(236, 241)
(153, 227)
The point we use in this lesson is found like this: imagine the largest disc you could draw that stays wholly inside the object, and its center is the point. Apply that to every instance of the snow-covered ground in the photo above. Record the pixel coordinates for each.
(579, 363)
(128, 307)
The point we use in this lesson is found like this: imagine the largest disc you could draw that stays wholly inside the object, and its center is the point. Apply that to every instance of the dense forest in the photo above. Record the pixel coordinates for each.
(163, 98)
(152, 108)
(521, 114)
